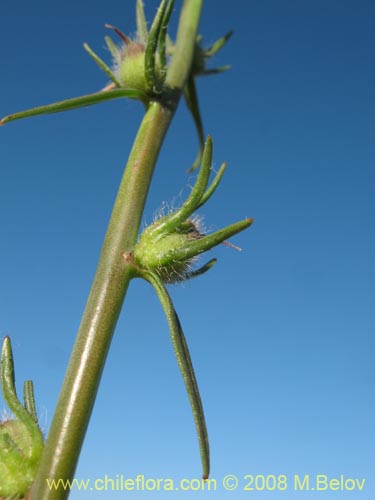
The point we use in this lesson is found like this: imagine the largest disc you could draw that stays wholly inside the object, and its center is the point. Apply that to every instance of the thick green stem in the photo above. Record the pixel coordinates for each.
(112, 277)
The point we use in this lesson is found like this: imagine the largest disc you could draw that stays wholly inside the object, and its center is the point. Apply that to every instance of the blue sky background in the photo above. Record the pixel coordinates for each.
(282, 334)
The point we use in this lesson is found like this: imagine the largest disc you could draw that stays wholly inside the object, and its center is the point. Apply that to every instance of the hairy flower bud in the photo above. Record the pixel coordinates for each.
(172, 243)
(158, 252)
(131, 67)
(130, 62)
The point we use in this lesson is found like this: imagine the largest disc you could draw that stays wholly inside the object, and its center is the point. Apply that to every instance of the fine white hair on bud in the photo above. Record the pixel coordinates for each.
(157, 253)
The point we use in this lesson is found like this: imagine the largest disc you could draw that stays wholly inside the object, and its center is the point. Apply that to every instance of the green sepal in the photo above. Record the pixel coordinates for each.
(198, 246)
(141, 21)
(102, 65)
(113, 49)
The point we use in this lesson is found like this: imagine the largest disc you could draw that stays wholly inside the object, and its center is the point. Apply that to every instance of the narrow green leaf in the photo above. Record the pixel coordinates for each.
(215, 47)
(186, 367)
(141, 21)
(152, 41)
(191, 99)
(76, 102)
(102, 65)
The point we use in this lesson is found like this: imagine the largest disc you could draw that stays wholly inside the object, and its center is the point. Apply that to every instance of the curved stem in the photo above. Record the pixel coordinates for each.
(186, 367)
(111, 280)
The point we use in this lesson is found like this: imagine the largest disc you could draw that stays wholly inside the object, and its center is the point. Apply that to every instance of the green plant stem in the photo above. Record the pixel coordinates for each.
(112, 277)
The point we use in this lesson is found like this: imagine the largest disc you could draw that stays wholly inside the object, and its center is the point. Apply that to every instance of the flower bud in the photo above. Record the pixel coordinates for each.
(130, 63)
(131, 69)
(157, 252)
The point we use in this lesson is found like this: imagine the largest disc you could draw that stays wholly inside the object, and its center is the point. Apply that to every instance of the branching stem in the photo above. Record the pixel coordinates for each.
(112, 277)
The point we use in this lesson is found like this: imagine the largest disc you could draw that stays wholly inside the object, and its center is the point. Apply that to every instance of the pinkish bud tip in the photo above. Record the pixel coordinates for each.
(123, 37)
